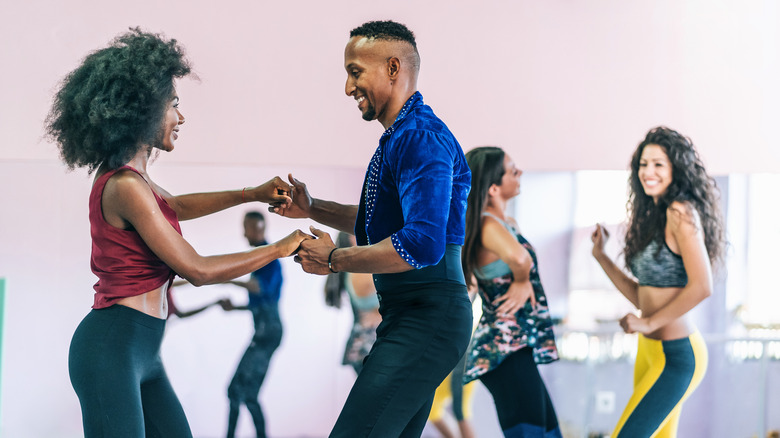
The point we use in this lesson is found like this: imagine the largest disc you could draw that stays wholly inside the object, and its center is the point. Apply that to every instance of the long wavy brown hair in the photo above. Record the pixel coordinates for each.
(690, 184)
(487, 168)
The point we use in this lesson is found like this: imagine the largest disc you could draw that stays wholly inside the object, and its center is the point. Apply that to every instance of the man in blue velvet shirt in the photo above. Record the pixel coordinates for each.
(409, 226)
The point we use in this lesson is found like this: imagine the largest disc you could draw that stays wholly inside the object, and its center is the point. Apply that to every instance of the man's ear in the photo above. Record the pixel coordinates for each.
(393, 68)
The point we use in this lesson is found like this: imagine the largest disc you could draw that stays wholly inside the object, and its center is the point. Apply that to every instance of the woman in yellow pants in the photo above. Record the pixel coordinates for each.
(674, 236)
(452, 388)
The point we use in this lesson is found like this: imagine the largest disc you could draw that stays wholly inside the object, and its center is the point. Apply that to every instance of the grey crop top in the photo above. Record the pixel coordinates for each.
(655, 268)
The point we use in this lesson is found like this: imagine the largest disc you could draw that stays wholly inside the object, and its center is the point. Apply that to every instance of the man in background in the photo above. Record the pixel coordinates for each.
(263, 289)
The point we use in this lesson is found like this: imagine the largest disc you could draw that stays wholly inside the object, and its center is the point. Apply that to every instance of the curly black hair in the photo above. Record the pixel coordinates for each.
(114, 102)
(690, 184)
(385, 30)
(487, 168)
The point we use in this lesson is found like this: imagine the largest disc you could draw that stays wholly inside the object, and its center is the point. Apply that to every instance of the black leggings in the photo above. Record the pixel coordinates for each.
(422, 336)
(115, 368)
(251, 370)
(522, 402)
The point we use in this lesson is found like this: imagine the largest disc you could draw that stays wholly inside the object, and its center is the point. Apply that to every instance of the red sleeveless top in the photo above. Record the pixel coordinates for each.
(123, 263)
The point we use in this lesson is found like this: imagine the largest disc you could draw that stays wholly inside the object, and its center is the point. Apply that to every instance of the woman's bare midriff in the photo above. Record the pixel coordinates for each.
(153, 303)
(651, 299)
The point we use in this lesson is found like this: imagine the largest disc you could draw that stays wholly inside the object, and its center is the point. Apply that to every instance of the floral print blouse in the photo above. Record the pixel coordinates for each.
(497, 336)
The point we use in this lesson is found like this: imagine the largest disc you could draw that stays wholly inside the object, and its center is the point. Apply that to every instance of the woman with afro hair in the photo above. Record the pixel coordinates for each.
(108, 115)
(674, 236)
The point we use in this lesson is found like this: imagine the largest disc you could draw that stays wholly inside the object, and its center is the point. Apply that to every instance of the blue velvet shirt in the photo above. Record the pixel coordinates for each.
(270, 279)
(415, 188)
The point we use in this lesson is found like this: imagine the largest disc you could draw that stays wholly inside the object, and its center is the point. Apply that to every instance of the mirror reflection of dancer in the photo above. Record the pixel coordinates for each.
(515, 331)
(109, 115)
(674, 235)
(364, 304)
(409, 229)
(264, 288)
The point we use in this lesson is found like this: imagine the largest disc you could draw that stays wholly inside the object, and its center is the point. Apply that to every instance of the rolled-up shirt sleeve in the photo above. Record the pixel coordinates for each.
(423, 169)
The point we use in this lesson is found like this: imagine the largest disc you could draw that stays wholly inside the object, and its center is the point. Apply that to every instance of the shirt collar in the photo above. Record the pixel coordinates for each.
(413, 101)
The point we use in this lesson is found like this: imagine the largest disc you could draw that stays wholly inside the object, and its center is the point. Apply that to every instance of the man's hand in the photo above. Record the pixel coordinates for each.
(226, 304)
(300, 207)
(313, 254)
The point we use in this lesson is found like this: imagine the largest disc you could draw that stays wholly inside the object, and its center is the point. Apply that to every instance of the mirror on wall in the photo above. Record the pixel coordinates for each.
(557, 212)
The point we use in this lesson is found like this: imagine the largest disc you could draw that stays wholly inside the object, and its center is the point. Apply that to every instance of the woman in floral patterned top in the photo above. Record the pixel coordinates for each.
(515, 331)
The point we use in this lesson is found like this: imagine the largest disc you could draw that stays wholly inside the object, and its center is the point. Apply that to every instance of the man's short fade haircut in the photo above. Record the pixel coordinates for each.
(255, 215)
(385, 30)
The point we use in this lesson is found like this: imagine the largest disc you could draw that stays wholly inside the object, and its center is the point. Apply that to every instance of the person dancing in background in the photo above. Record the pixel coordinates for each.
(452, 389)
(364, 303)
(108, 116)
(409, 229)
(675, 235)
(515, 331)
(173, 308)
(264, 289)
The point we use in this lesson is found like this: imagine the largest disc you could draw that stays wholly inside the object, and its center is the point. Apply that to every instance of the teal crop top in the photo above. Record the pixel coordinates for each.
(361, 304)
(498, 268)
(655, 268)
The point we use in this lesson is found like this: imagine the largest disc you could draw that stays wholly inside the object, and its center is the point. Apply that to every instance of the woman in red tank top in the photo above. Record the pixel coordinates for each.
(109, 115)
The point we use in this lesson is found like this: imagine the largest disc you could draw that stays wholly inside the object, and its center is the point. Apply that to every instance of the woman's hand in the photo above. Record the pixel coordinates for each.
(599, 238)
(275, 192)
(314, 255)
(300, 207)
(290, 244)
(634, 324)
(515, 298)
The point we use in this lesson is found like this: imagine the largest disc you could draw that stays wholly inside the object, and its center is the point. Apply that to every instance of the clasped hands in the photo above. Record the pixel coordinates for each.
(313, 253)
(294, 201)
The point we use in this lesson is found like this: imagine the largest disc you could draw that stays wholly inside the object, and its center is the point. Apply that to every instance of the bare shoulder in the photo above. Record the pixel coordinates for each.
(127, 191)
(497, 239)
(126, 181)
(681, 215)
(491, 225)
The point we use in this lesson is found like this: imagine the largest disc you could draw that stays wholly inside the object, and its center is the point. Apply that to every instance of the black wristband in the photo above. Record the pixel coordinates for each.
(330, 260)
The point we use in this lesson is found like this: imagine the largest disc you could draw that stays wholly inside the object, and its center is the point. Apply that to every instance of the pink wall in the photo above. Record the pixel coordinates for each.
(563, 85)
(567, 85)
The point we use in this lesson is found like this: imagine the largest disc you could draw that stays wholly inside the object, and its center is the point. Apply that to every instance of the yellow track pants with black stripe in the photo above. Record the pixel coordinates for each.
(665, 374)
